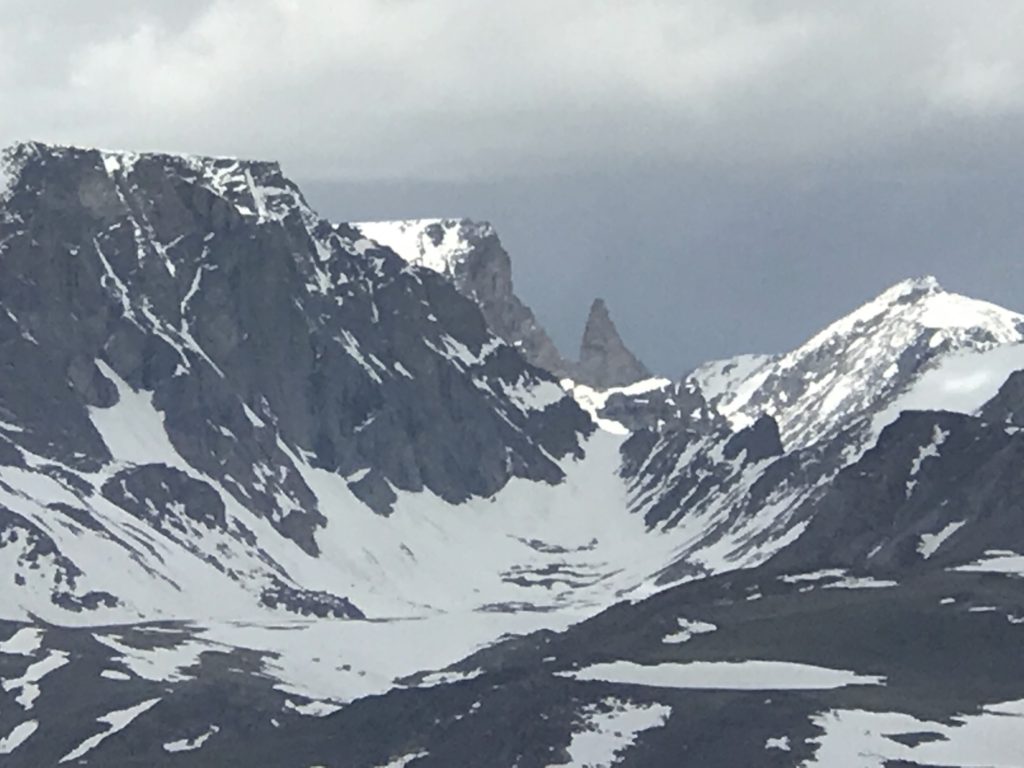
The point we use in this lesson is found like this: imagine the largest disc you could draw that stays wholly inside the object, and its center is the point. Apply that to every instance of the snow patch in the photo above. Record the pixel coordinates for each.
(190, 745)
(404, 760)
(593, 400)
(862, 739)
(28, 684)
(117, 720)
(996, 562)
(25, 642)
(751, 675)
(930, 542)
(605, 735)
(18, 736)
(437, 244)
(688, 630)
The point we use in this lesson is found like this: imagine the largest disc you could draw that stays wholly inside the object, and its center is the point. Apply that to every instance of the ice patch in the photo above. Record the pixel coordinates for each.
(961, 383)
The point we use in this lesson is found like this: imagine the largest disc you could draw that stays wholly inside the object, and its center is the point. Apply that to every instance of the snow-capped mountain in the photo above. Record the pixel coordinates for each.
(915, 347)
(270, 494)
(860, 361)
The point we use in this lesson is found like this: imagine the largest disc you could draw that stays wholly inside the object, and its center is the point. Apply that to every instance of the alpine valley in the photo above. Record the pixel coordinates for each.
(276, 491)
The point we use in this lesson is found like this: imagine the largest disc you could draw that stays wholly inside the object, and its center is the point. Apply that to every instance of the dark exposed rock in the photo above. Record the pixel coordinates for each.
(165, 496)
(760, 441)
(307, 602)
(1007, 407)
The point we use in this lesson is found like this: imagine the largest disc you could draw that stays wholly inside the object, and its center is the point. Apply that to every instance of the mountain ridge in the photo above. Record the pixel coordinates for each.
(271, 493)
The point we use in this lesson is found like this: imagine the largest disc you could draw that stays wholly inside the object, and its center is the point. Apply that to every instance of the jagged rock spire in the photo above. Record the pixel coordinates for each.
(605, 361)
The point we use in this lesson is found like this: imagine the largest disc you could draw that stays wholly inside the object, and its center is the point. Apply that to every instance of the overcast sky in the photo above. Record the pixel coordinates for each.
(728, 175)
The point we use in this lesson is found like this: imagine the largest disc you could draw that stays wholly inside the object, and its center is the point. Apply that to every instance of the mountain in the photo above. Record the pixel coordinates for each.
(193, 355)
(274, 494)
(913, 347)
(471, 256)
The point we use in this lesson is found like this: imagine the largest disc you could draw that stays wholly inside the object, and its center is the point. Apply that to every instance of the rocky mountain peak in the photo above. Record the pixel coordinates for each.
(605, 361)
(864, 358)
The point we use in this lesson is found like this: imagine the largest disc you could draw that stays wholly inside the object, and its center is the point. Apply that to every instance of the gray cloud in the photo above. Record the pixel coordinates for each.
(453, 88)
(736, 171)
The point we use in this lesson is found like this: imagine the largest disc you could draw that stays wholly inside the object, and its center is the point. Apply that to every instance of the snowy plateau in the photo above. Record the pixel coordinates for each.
(277, 491)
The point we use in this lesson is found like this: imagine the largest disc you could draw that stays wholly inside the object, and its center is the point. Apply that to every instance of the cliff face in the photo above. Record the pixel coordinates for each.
(471, 256)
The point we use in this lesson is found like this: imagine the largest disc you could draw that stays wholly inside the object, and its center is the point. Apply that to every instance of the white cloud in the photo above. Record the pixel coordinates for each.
(463, 88)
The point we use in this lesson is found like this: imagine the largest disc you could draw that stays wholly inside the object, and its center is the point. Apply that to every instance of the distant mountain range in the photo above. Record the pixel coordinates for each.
(285, 492)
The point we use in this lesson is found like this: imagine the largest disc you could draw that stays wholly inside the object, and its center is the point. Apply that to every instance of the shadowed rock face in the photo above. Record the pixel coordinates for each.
(604, 359)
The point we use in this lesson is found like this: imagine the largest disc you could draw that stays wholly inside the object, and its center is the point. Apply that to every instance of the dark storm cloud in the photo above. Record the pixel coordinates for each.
(735, 171)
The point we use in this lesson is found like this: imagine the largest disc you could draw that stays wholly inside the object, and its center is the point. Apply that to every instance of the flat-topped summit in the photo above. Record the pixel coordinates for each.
(255, 188)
